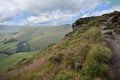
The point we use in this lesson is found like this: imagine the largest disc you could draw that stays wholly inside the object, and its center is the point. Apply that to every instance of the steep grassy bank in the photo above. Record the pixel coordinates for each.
(8, 61)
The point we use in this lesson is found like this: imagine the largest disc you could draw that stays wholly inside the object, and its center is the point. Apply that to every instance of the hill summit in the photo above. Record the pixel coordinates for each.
(89, 52)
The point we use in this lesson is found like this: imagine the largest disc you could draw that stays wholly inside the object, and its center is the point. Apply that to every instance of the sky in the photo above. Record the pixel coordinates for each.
(52, 12)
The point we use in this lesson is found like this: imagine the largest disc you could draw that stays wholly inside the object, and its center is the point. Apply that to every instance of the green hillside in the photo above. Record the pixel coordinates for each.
(37, 38)
(82, 55)
(3, 56)
(9, 61)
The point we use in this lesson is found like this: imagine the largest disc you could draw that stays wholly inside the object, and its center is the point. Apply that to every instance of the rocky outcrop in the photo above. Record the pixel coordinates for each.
(114, 19)
(82, 21)
(110, 23)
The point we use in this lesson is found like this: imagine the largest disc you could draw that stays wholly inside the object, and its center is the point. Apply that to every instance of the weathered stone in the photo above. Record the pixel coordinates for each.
(74, 26)
(107, 32)
(114, 19)
(82, 21)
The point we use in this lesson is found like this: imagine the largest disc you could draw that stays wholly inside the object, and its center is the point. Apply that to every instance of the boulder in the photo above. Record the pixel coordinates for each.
(114, 19)
(82, 21)
(74, 26)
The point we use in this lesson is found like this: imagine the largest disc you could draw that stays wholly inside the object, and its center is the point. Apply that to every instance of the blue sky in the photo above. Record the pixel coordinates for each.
(52, 12)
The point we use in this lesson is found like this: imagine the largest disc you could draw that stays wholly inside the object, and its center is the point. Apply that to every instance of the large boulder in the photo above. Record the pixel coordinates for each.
(113, 19)
(82, 21)
(75, 26)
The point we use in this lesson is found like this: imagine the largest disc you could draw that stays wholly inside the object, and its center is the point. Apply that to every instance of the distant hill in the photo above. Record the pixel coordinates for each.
(8, 29)
(38, 38)
(29, 39)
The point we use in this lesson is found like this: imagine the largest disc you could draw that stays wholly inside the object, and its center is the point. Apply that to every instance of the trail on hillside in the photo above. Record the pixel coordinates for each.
(114, 44)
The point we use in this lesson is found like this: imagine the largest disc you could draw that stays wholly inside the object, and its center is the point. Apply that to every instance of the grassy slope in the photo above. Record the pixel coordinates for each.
(3, 56)
(47, 37)
(9, 61)
(6, 46)
(2, 37)
(82, 55)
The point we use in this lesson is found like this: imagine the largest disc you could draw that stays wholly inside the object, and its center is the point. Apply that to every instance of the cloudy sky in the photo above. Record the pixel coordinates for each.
(52, 12)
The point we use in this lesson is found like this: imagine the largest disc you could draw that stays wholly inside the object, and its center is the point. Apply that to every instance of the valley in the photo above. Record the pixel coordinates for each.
(26, 41)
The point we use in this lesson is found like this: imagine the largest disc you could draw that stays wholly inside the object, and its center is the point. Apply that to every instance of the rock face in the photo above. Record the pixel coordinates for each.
(110, 23)
(82, 21)
(114, 19)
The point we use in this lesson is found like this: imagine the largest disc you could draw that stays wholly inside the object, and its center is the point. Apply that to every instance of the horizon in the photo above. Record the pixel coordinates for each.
(52, 12)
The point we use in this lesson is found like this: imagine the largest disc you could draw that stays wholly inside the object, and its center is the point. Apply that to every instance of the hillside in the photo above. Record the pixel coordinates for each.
(28, 40)
(37, 38)
(89, 52)
(8, 61)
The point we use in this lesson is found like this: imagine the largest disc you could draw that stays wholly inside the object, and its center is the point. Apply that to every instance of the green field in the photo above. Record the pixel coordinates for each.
(3, 56)
(13, 59)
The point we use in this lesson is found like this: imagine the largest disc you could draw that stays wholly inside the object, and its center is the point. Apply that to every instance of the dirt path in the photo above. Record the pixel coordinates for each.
(114, 45)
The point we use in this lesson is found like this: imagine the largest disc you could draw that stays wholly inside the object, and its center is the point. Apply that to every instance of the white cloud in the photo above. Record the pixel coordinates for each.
(34, 6)
(7, 10)
(43, 11)
(54, 16)
(98, 13)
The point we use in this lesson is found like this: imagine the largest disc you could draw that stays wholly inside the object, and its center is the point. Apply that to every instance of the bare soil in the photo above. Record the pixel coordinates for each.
(114, 45)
